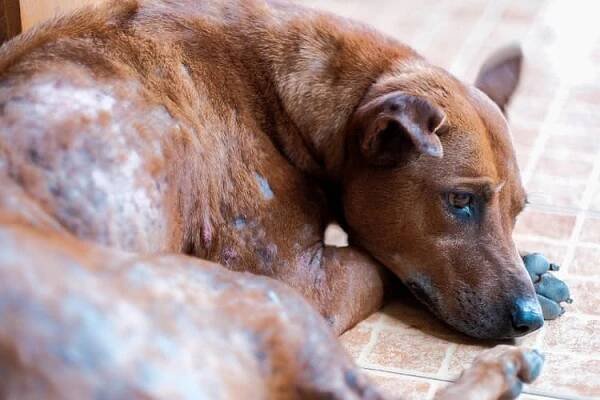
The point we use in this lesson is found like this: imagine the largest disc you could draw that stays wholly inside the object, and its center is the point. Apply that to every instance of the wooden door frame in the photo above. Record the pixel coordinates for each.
(10, 19)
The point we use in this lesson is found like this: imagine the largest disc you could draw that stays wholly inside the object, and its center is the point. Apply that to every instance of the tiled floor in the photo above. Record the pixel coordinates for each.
(556, 124)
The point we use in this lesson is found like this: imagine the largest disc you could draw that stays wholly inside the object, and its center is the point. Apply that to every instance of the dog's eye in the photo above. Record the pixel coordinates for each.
(460, 200)
(461, 203)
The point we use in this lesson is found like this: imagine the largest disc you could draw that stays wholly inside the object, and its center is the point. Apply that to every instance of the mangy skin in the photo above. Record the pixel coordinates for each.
(84, 322)
(231, 132)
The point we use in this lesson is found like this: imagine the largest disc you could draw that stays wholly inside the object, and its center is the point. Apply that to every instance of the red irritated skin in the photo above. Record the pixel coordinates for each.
(81, 321)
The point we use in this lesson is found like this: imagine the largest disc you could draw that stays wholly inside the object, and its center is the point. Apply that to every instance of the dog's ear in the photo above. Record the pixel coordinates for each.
(397, 124)
(500, 73)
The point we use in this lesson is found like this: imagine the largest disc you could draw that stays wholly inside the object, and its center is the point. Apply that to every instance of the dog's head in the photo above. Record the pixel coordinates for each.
(432, 190)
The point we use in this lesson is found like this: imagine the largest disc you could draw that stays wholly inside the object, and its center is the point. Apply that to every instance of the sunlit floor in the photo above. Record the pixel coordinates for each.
(555, 118)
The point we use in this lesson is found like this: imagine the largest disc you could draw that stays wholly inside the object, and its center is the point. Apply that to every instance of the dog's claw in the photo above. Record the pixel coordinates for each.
(550, 309)
(551, 290)
(535, 360)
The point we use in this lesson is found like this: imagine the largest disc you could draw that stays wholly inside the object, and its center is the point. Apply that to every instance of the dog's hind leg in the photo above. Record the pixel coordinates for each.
(86, 321)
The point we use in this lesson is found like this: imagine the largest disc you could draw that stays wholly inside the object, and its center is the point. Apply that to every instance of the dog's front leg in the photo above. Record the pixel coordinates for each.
(551, 291)
(345, 285)
(496, 374)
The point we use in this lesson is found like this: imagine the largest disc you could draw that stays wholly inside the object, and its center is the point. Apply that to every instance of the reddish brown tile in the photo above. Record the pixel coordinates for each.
(572, 334)
(466, 10)
(586, 94)
(586, 263)
(356, 339)
(407, 350)
(529, 107)
(523, 134)
(545, 192)
(585, 119)
(563, 141)
(570, 374)
(586, 296)
(590, 231)
(400, 386)
(462, 358)
(545, 224)
(465, 353)
(522, 11)
(571, 169)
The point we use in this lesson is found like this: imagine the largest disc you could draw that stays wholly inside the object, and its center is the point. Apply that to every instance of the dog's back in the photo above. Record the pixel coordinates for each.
(102, 125)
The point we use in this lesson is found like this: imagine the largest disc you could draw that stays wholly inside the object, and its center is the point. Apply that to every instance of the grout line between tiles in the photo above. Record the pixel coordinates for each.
(444, 368)
(432, 378)
(560, 97)
(544, 131)
(366, 350)
(477, 36)
(418, 375)
(556, 242)
(433, 388)
(579, 220)
(423, 41)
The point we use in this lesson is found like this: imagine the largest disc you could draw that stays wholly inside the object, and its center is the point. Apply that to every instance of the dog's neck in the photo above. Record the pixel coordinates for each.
(307, 71)
(321, 70)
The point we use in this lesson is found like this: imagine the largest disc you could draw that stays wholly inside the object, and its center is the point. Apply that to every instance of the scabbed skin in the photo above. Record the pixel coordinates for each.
(83, 322)
(80, 321)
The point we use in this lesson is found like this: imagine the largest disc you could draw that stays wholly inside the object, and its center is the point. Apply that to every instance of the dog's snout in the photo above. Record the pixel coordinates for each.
(526, 316)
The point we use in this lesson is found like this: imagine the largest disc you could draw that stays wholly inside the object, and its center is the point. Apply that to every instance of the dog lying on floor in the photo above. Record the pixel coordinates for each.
(234, 132)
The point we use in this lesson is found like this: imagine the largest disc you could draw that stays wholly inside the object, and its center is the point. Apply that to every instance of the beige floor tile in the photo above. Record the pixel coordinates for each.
(546, 192)
(585, 94)
(524, 133)
(545, 224)
(586, 295)
(570, 374)
(574, 169)
(356, 339)
(407, 350)
(572, 333)
(586, 263)
(595, 202)
(564, 140)
(400, 386)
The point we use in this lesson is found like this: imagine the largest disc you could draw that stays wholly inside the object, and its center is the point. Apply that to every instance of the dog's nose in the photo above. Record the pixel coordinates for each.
(526, 316)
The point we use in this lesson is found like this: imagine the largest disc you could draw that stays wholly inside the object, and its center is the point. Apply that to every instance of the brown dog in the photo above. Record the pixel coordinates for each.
(234, 132)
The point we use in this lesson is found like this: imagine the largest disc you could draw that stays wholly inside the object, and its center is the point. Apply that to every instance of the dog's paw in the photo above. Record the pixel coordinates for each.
(551, 291)
(515, 366)
(498, 373)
